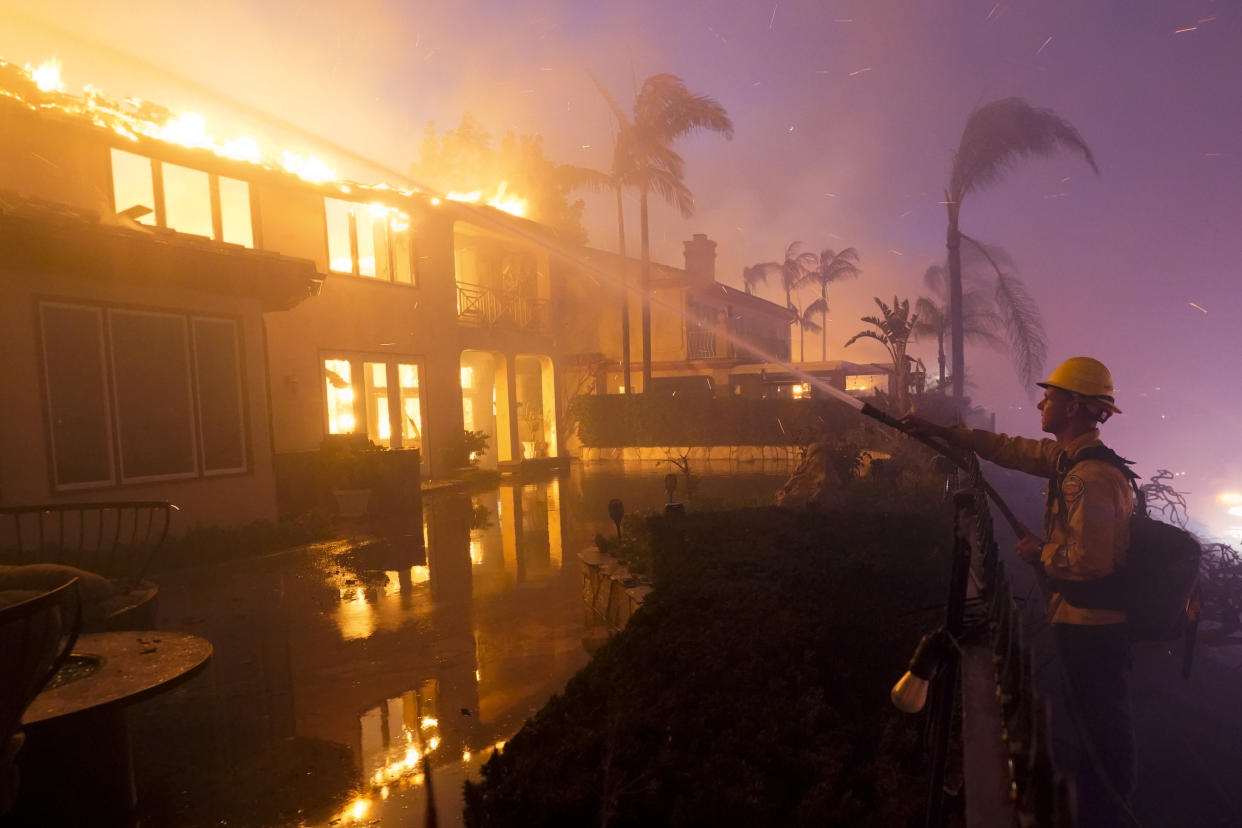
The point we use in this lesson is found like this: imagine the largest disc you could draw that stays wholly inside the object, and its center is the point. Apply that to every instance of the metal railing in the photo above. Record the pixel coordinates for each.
(487, 308)
(998, 720)
(116, 539)
(700, 344)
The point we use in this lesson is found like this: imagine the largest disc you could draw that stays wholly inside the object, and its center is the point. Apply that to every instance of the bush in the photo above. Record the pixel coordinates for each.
(751, 689)
(659, 420)
(633, 548)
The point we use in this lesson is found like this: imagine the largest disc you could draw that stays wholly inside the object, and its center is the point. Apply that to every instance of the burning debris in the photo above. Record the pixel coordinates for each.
(135, 119)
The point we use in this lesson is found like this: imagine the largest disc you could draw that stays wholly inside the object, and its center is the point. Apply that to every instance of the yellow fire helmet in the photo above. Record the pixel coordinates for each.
(1086, 376)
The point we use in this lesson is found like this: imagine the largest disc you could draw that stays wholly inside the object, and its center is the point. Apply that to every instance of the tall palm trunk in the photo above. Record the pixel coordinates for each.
(625, 297)
(823, 320)
(940, 354)
(646, 285)
(953, 241)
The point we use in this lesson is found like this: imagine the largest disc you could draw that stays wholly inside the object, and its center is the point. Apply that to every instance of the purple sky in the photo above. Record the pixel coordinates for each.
(861, 100)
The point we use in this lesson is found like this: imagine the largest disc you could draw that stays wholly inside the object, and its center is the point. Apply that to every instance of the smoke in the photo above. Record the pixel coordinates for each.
(846, 116)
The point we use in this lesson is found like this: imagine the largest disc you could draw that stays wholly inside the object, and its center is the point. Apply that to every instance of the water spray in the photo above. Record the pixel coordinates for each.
(955, 456)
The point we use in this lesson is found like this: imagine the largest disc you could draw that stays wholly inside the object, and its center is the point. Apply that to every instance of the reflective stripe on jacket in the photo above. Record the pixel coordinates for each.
(1090, 539)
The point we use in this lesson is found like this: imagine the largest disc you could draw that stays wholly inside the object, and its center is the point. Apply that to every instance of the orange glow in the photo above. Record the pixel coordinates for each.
(134, 118)
(502, 199)
(47, 76)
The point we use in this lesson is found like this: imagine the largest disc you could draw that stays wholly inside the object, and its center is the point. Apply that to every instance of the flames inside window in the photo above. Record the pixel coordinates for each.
(370, 240)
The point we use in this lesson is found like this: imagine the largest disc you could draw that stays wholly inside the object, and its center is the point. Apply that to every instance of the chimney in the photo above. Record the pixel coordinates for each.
(701, 259)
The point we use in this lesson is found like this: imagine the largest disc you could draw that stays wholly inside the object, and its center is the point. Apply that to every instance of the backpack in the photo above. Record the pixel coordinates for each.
(1156, 585)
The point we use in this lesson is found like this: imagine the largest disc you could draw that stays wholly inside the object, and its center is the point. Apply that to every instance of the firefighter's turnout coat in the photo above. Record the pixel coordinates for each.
(1086, 528)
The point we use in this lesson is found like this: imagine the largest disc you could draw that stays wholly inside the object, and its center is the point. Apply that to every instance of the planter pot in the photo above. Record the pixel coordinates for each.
(352, 502)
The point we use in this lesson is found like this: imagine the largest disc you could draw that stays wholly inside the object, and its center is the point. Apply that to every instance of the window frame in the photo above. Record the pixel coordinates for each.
(215, 204)
(354, 255)
(356, 360)
(111, 414)
(105, 382)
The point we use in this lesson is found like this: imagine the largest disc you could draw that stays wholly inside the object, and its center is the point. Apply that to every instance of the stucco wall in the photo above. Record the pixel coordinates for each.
(25, 476)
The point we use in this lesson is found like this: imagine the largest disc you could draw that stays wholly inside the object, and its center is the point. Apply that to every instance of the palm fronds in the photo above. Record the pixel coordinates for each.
(1024, 326)
(1000, 133)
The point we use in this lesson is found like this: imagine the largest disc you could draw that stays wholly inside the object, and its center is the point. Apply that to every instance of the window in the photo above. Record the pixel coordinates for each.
(152, 398)
(379, 425)
(77, 400)
(410, 406)
(866, 383)
(372, 402)
(340, 391)
(371, 240)
(137, 396)
(217, 364)
(187, 200)
(180, 198)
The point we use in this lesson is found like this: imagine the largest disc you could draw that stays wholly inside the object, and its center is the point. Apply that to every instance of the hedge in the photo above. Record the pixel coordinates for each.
(613, 420)
(751, 689)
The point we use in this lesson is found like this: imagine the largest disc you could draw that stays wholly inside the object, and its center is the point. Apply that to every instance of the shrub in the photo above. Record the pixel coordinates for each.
(751, 689)
(659, 420)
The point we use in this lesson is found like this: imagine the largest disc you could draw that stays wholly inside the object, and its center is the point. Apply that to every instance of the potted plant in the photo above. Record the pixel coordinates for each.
(353, 467)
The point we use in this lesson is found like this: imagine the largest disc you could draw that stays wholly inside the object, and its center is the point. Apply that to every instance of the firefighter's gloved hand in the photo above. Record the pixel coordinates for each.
(1030, 548)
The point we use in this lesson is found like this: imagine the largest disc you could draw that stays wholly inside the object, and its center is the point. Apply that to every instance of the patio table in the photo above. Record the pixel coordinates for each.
(76, 766)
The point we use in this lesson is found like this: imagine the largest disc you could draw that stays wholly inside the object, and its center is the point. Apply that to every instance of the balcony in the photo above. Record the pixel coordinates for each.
(483, 307)
(700, 344)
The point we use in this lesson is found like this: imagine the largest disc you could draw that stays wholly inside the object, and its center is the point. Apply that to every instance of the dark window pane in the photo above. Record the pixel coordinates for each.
(76, 400)
(219, 395)
(151, 371)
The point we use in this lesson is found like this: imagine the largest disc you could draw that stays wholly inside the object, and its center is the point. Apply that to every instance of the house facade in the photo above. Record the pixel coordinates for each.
(133, 363)
(178, 324)
(701, 330)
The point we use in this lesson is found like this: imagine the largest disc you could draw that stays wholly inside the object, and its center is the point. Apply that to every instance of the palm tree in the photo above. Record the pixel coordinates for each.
(585, 178)
(805, 320)
(894, 327)
(663, 111)
(833, 266)
(792, 271)
(996, 135)
(980, 320)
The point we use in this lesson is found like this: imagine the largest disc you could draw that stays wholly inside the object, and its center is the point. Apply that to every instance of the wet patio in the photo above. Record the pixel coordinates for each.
(339, 667)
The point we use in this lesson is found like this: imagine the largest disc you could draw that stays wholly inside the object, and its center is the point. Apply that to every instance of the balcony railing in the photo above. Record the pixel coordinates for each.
(700, 344)
(486, 308)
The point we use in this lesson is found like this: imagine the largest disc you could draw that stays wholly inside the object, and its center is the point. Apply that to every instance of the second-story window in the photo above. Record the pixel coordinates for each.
(179, 198)
(370, 240)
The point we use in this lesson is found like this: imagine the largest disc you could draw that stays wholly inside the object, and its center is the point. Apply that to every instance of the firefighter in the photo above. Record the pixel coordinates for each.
(1086, 535)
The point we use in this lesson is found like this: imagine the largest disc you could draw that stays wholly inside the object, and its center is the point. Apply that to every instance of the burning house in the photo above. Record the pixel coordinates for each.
(702, 331)
(188, 319)
(185, 318)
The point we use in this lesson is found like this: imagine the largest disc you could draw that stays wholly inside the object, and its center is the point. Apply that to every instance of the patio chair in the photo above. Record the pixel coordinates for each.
(36, 634)
(108, 546)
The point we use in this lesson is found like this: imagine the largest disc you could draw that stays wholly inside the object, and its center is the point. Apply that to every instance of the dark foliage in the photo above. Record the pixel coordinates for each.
(657, 420)
(751, 689)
